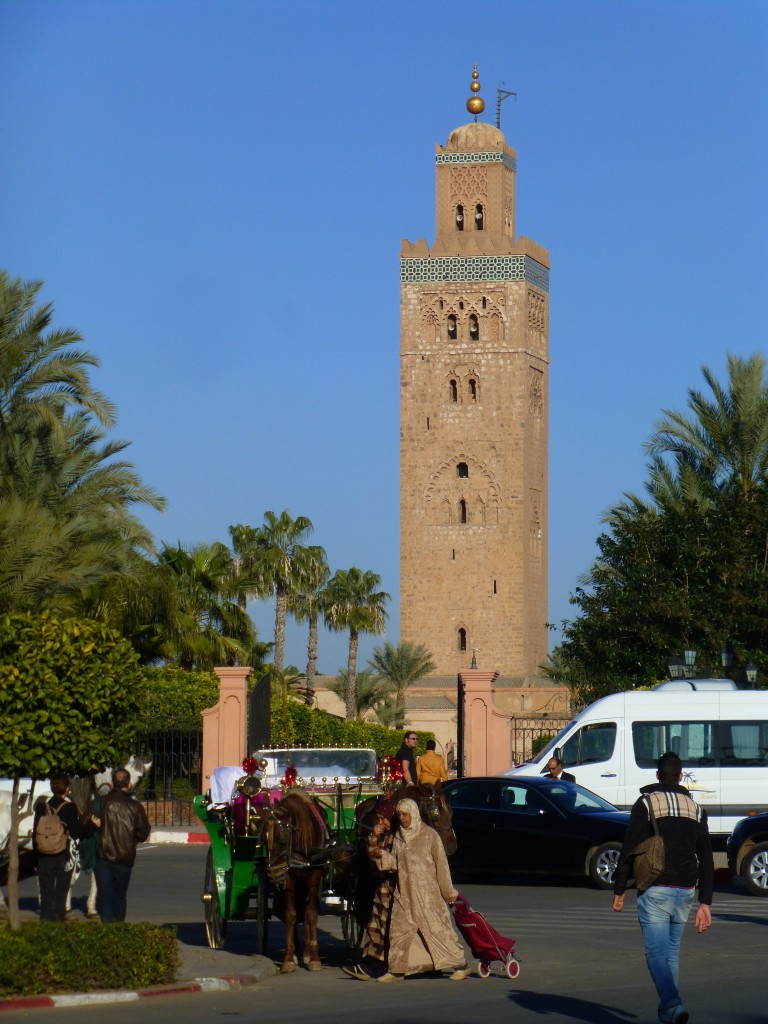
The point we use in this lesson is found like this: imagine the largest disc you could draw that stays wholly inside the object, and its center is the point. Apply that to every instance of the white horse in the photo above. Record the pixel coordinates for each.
(30, 792)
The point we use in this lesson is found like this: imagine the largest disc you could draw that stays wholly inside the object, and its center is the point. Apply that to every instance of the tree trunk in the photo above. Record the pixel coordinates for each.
(312, 648)
(350, 702)
(281, 600)
(13, 860)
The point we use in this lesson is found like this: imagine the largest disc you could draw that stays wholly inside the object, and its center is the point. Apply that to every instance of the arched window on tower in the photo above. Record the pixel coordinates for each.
(453, 390)
(462, 638)
(462, 511)
(452, 327)
(479, 217)
(459, 217)
(462, 470)
(474, 327)
(472, 389)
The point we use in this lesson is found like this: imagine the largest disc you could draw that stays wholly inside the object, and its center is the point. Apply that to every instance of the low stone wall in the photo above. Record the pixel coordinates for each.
(170, 812)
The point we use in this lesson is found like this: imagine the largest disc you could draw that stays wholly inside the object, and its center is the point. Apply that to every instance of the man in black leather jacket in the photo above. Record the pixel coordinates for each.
(123, 824)
(664, 907)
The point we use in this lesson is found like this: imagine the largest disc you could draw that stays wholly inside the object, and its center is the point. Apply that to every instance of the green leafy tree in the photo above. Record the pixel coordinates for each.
(403, 665)
(352, 601)
(306, 597)
(371, 691)
(278, 553)
(69, 698)
(66, 500)
(202, 624)
(687, 569)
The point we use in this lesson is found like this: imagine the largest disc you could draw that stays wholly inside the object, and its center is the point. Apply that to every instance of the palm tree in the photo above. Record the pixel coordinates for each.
(403, 665)
(277, 553)
(724, 440)
(371, 691)
(305, 600)
(353, 601)
(66, 525)
(248, 583)
(203, 625)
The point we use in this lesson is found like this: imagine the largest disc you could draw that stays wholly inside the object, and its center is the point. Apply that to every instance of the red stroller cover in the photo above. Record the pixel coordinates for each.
(484, 941)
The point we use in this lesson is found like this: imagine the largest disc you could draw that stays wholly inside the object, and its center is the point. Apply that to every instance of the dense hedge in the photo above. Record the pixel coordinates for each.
(171, 693)
(295, 724)
(51, 957)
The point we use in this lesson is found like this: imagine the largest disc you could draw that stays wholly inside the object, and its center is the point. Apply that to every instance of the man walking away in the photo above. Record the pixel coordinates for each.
(124, 824)
(663, 908)
(430, 767)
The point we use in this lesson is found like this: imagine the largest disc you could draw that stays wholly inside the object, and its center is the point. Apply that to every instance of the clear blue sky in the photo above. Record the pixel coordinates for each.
(215, 192)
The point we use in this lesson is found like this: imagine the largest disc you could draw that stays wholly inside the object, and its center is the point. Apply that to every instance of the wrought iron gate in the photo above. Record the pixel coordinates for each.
(174, 748)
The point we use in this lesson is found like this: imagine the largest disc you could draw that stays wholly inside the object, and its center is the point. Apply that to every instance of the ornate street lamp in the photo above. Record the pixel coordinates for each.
(751, 673)
(690, 663)
(676, 667)
(726, 658)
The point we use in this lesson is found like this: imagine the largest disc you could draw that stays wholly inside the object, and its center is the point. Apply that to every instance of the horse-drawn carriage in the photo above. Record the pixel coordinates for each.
(285, 829)
(285, 821)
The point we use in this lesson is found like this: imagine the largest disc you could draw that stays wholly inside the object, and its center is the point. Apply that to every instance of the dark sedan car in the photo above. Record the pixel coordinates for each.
(529, 824)
(748, 852)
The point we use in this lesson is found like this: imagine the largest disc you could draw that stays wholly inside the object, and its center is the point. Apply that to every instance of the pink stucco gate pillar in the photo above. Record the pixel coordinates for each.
(224, 725)
(486, 729)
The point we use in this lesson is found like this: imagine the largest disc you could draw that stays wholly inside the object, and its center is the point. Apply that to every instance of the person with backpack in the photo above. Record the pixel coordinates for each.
(57, 823)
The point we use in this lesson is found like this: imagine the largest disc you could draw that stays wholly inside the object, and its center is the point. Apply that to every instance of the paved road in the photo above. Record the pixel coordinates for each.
(581, 963)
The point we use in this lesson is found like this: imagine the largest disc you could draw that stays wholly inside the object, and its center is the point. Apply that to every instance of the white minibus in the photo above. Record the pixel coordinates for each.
(720, 734)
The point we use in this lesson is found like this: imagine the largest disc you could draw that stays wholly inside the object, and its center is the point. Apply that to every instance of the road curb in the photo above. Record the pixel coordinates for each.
(122, 996)
(179, 837)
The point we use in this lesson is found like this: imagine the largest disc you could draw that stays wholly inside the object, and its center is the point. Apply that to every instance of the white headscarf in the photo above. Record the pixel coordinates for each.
(410, 807)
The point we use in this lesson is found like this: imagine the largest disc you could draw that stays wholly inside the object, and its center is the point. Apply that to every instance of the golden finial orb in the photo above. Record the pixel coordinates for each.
(475, 104)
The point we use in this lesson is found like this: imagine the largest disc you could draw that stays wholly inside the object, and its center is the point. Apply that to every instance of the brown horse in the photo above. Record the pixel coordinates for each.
(298, 845)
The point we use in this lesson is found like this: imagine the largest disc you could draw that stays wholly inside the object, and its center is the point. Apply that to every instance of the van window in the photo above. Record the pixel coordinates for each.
(591, 744)
(702, 744)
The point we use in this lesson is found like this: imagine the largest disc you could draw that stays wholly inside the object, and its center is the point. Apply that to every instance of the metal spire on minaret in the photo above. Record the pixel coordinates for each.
(475, 103)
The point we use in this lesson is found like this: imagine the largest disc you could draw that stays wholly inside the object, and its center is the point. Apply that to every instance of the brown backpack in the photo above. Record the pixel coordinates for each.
(50, 832)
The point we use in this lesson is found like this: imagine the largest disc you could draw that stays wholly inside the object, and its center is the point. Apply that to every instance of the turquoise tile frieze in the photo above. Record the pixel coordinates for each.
(474, 268)
(476, 158)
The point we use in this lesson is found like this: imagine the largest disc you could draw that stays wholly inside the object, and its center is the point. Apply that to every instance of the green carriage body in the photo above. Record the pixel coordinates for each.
(236, 885)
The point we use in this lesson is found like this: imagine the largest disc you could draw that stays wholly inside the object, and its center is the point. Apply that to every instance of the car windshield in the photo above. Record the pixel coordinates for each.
(575, 799)
(321, 763)
(546, 752)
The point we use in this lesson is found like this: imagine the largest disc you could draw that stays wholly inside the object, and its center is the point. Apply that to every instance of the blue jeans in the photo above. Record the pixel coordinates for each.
(111, 889)
(663, 911)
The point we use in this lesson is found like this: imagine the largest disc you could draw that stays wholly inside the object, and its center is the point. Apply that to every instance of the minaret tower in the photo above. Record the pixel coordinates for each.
(474, 360)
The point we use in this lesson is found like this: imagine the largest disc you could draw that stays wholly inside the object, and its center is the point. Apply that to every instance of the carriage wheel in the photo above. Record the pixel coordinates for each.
(262, 911)
(215, 924)
(351, 928)
(484, 970)
(512, 967)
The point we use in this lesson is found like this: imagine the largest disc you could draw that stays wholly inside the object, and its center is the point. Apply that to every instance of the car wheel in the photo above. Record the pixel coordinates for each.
(602, 864)
(754, 869)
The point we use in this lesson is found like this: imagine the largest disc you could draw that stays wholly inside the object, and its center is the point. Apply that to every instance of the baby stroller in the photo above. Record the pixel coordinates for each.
(484, 941)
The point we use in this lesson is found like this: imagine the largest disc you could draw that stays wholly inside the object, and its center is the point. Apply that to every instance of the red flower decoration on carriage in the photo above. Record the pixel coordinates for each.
(250, 765)
(390, 771)
(289, 779)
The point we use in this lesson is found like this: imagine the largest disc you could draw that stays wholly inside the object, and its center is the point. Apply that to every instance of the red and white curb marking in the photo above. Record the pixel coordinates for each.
(96, 998)
(178, 837)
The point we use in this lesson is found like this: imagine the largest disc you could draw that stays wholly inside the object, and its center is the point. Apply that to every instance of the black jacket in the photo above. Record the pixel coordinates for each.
(123, 824)
(687, 847)
(70, 817)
